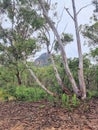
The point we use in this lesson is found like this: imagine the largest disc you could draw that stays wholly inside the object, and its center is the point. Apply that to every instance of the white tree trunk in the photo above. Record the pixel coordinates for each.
(39, 83)
(80, 71)
(64, 89)
(63, 54)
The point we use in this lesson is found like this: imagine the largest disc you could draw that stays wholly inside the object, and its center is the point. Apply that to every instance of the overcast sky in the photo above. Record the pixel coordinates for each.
(66, 21)
(83, 18)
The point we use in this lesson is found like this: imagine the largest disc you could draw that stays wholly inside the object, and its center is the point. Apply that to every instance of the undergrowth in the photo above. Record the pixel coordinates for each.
(23, 93)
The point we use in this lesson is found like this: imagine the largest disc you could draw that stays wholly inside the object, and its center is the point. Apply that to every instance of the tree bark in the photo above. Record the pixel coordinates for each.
(63, 54)
(64, 89)
(18, 78)
(39, 83)
(80, 71)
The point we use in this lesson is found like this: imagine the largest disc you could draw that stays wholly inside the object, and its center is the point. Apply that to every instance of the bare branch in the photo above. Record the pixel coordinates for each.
(47, 31)
(60, 18)
(69, 13)
(65, 27)
(63, 53)
(52, 44)
(83, 8)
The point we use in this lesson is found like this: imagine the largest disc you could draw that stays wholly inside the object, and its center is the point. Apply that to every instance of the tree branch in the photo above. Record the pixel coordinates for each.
(69, 13)
(60, 18)
(83, 8)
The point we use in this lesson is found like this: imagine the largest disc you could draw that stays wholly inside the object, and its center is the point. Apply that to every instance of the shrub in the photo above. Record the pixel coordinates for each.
(11, 90)
(75, 101)
(91, 94)
(29, 94)
(65, 100)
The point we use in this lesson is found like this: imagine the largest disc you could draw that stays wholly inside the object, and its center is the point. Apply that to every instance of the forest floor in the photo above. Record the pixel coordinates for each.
(47, 116)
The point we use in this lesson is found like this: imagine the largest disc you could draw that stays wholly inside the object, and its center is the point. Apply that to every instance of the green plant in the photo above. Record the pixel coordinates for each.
(6, 98)
(65, 101)
(75, 101)
(92, 94)
(24, 93)
(11, 90)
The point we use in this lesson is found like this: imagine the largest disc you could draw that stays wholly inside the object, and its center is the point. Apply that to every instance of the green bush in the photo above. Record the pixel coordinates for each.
(23, 93)
(91, 94)
(65, 100)
(11, 90)
(75, 101)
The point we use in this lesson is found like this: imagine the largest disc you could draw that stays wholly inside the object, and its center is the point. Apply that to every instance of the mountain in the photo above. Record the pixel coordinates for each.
(42, 60)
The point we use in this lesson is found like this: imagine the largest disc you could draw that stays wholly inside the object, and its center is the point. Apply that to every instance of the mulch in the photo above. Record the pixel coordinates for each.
(48, 116)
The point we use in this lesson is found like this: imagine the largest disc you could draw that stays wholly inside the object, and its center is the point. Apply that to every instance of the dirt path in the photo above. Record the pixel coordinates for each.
(44, 116)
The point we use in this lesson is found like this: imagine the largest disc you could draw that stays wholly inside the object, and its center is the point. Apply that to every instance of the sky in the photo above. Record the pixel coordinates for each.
(83, 18)
(66, 21)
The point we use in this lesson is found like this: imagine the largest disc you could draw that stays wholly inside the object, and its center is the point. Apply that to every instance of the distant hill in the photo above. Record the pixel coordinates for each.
(43, 60)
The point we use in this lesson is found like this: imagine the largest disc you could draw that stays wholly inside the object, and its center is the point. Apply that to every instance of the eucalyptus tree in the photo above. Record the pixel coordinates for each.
(90, 32)
(91, 35)
(63, 53)
(16, 39)
(26, 18)
(45, 9)
(80, 69)
(52, 48)
(19, 40)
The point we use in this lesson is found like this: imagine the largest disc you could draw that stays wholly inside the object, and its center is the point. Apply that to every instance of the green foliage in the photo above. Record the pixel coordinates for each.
(66, 38)
(94, 53)
(69, 102)
(18, 40)
(6, 76)
(27, 14)
(92, 94)
(95, 3)
(11, 90)
(31, 17)
(29, 94)
(27, 46)
(1, 94)
(47, 77)
(65, 100)
(6, 3)
(38, 23)
(91, 33)
(4, 96)
(1, 48)
(23, 2)
(23, 93)
(75, 101)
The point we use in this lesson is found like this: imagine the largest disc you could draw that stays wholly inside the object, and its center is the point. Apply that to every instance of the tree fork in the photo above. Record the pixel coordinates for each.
(66, 67)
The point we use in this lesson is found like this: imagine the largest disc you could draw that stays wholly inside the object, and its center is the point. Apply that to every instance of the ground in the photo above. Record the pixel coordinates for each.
(48, 116)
